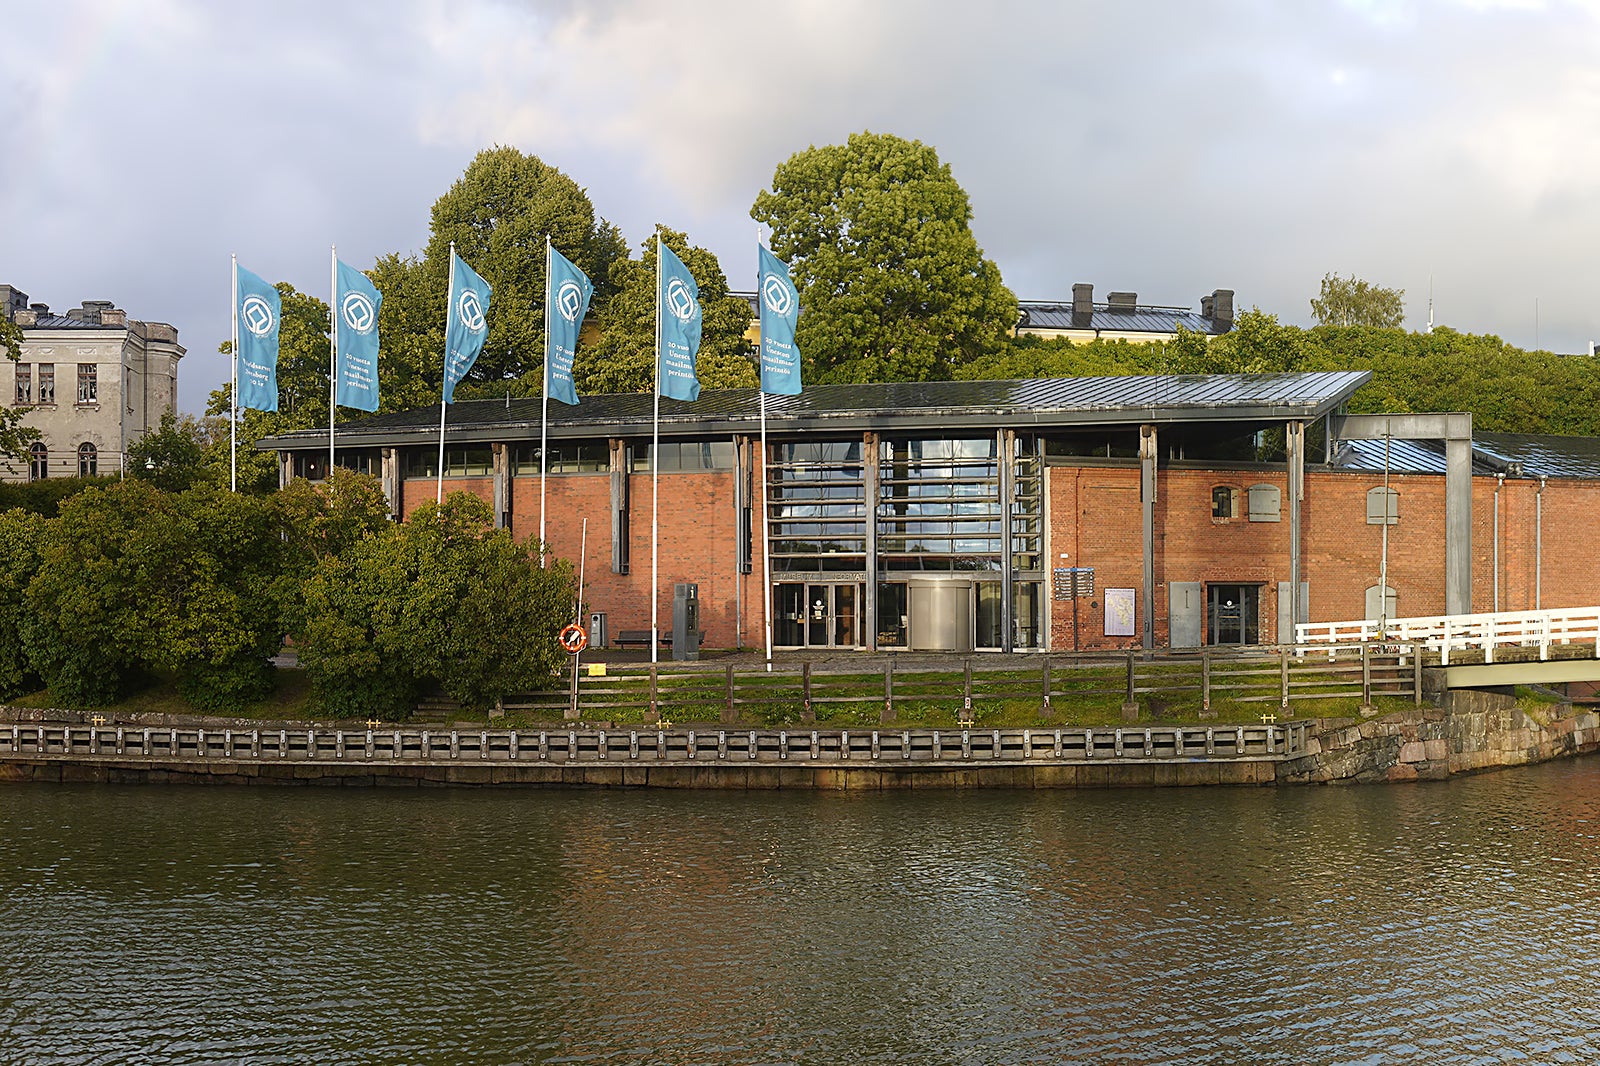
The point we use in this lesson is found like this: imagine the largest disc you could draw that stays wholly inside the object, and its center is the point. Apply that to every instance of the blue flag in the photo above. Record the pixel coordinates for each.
(357, 301)
(259, 310)
(567, 293)
(466, 324)
(678, 308)
(780, 311)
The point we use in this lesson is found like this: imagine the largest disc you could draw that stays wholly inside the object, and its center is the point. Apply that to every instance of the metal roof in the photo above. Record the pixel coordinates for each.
(1144, 318)
(1512, 454)
(903, 407)
(1540, 454)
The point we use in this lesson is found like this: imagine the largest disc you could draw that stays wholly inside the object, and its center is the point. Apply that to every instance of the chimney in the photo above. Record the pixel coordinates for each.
(1208, 306)
(25, 318)
(12, 300)
(1222, 308)
(1082, 304)
(40, 310)
(113, 317)
(1124, 303)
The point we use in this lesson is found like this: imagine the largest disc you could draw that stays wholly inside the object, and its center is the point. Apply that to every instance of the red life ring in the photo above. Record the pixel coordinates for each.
(573, 638)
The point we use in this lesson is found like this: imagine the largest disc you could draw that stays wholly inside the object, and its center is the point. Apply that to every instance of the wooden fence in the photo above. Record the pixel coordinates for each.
(1279, 679)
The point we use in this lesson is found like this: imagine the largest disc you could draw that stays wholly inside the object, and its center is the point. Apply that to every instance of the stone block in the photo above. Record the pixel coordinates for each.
(1433, 771)
(1412, 752)
(1436, 750)
(1401, 772)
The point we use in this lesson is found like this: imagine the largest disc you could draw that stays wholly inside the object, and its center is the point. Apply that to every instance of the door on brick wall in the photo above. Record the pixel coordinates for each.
(1233, 614)
(1185, 614)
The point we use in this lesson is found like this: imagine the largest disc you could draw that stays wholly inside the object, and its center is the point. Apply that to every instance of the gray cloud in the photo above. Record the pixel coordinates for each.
(1162, 147)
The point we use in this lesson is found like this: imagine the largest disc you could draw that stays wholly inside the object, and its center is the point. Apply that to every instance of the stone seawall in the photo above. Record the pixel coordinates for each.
(1472, 732)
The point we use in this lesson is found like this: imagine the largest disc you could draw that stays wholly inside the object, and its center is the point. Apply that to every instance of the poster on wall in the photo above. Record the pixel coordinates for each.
(1119, 613)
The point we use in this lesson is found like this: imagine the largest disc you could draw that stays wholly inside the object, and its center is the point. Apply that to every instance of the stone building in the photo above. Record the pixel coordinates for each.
(91, 380)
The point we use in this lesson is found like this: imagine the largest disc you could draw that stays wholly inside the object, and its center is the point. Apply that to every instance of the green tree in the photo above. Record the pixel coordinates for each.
(623, 360)
(893, 285)
(10, 338)
(20, 533)
(82, 629)
(172, 456)
(16, 437)
(1354, 302)
(211, 606)
(134, 582)
(499, 213)
(443, 601)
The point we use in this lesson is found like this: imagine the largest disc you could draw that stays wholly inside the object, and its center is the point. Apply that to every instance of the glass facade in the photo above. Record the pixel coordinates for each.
(816, 499)
(937, 506)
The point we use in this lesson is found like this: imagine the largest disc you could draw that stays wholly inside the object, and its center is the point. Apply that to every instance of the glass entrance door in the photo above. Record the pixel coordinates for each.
(816, 615)
(1233, 614)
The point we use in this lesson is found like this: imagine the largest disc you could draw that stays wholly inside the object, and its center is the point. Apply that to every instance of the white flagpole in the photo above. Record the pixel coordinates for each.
(544, 410)
(766, 544)
(655, 468)
(233, 407)
(333, 349)
(449, 310)
(766, 532)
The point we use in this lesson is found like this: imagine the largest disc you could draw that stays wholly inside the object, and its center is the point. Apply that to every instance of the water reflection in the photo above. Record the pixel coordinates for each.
(1448, 922)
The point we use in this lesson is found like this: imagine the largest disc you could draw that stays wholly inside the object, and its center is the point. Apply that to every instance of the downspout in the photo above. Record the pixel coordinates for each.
(1499, 483)
(1538, 548)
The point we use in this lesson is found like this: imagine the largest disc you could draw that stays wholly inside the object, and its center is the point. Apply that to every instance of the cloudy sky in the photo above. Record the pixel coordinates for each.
(1168, 148)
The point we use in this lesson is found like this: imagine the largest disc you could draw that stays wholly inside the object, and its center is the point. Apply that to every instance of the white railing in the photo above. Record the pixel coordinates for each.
(1459, 632)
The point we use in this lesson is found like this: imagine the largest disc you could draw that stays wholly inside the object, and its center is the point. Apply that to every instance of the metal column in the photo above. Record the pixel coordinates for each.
(1147, 500)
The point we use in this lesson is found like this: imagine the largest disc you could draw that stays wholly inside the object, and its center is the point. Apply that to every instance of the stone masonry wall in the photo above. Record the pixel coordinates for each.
(1475, 731)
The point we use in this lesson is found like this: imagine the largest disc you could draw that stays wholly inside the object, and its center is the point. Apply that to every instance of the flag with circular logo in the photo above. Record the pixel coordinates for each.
(780, 312)
(259, 311)
(356, 304)
(678, 310)
(567, 301)
(466, 325)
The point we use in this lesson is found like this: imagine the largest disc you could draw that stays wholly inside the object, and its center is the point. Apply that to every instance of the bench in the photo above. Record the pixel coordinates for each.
(640, 638)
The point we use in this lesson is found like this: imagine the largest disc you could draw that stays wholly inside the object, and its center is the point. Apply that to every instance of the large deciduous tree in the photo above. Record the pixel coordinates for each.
(624, 358)
(893, 285)
(498, 213)
(1354, 302)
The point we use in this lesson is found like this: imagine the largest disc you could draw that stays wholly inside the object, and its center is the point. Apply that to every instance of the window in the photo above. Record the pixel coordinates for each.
(1376, 509)
(87, 459)
(88, 386)
(38, 462)
(566, 457)
(24, 383)
(1224, 502)
(679, 456)
(1264, 503)
(475, 460)
(47, 383)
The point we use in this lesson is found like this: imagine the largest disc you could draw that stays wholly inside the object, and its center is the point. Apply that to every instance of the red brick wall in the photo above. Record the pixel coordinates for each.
(1094, 518)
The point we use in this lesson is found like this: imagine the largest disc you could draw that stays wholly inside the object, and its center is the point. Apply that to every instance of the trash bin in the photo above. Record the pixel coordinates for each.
(685, 621)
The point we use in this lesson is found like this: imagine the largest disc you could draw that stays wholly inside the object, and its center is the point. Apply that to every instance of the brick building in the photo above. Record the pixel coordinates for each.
(91, 380)
(1016, 515)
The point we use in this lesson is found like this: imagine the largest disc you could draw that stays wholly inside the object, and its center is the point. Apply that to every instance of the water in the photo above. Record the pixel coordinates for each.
(1436, 923)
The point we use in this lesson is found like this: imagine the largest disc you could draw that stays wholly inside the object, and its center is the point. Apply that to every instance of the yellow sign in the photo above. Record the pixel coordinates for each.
(597, 669)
